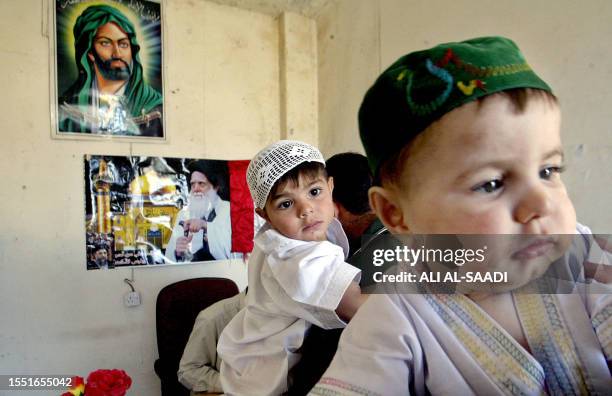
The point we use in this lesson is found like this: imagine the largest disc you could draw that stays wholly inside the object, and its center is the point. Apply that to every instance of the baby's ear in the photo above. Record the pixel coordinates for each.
(330, 184)
(385, 203)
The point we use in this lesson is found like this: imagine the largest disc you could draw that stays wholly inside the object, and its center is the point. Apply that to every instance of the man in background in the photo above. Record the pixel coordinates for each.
(200, 364)
(352, 180)
(110, 95)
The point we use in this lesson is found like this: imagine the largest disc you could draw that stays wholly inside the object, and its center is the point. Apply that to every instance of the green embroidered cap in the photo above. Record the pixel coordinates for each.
(422, 86)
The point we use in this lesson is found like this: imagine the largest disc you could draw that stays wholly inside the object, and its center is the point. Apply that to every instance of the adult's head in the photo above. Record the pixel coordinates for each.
(101, 253)
(352, 180)
(111, 53)
(206, 185)
(101, 256)
(102, 33)
(205, 175)
(105, 40)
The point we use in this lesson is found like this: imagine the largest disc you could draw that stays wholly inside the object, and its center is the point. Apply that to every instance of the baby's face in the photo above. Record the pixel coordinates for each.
(489, 170)
(303, 211)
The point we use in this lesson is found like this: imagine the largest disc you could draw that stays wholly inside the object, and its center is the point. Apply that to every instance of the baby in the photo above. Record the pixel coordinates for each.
(297, 274)
(464, 138)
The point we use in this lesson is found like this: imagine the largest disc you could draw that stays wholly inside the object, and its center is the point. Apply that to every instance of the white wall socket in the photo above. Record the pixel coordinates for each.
(131, 299)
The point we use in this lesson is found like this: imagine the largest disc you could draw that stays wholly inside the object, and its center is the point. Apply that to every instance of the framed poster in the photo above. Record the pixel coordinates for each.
(155, 210)
(107, 69)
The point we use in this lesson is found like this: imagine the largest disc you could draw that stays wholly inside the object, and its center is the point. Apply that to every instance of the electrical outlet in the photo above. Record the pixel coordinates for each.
(131, 299)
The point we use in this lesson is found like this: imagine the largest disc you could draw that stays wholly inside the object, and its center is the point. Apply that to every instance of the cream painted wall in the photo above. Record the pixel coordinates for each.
(298, 78)
(222, 100)
(566, 41)
(349, 51)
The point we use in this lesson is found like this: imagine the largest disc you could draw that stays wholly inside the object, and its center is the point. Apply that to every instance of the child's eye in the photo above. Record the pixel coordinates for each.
(489, 186)
(285, 204)
(316, 191)
(548, 172)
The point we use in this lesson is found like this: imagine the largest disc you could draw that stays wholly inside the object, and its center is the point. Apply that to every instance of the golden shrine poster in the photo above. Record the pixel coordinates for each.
(155, 210)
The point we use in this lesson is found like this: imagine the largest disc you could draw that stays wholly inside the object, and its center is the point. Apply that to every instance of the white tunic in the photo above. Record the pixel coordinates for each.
(292, 284)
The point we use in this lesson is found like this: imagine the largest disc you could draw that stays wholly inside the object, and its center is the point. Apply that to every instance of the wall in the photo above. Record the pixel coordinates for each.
(565, 41)
(222, 100)
(349, 51)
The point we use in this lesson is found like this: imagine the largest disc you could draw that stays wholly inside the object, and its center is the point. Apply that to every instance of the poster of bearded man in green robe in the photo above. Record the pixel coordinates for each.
(109, 68)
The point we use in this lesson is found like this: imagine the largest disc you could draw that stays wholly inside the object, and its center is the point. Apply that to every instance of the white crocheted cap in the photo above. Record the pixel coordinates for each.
(271, 163)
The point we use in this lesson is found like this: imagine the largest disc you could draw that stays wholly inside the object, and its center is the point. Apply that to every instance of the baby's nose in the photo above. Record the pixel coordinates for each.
(535, 203)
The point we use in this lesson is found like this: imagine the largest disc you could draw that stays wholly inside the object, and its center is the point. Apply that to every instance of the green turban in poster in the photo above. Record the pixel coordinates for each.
(140, 103)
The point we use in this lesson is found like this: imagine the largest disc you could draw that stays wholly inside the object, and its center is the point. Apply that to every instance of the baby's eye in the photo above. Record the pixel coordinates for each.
(316, 191)
(285, 204)
(489, 187)
(548, 172)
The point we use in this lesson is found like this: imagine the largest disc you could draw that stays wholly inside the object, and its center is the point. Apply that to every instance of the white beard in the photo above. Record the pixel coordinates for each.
(200, 205)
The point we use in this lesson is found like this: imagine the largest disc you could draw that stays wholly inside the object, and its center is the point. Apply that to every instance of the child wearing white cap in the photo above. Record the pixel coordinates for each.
(297, 273)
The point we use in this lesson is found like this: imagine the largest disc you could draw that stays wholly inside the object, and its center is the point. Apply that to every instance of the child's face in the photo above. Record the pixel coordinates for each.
(489, 170)
(303, 211)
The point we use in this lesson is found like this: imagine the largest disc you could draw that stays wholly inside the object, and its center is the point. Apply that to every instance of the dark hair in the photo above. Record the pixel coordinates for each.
(352, 180)
(305, 169)
(390, 170)
(99, 247)
(216, 171)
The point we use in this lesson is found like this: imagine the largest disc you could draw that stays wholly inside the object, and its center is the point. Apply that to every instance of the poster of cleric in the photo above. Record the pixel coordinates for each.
(108, 69)
(145, 211)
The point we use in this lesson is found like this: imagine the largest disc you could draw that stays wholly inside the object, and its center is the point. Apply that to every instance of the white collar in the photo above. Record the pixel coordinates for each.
(269, 239)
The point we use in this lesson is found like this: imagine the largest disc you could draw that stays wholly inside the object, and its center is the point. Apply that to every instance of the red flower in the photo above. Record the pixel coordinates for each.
(77, 381)
(107, 383)
(77, 387)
